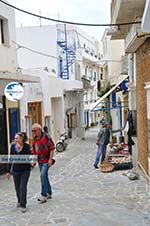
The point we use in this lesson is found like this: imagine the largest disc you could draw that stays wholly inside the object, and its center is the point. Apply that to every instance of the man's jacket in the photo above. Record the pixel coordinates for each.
(42, 148)
(103, 136)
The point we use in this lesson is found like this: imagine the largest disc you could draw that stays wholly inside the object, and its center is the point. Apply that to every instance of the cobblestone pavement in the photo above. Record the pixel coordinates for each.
(82, 195)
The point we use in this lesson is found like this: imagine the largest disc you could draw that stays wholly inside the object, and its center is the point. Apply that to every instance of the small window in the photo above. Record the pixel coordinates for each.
(101, 76)
(86, 70)
(2, 31)
(98, 85)
(4, 39)
(94, 76)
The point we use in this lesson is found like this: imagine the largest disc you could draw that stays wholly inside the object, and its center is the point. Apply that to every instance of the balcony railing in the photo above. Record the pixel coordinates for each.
(132, 42)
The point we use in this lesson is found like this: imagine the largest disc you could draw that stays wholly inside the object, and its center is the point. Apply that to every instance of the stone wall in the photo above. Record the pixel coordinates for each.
(142, 76)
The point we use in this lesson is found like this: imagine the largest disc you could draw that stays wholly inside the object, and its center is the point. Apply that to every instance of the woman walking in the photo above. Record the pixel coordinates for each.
(19, 170)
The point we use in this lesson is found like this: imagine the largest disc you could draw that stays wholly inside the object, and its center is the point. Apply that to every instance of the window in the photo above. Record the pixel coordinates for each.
(94, 76)
(101, 76)
(3, 31)
(86, 70)
(98, 85)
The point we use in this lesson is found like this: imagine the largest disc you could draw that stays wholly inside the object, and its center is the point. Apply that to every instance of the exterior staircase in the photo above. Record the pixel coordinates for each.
(69, 59)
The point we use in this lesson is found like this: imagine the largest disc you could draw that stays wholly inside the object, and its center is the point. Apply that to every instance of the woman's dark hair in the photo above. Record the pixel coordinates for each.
(23, 135)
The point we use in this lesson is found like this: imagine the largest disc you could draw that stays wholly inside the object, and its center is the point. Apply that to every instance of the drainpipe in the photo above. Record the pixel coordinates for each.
(66, 50)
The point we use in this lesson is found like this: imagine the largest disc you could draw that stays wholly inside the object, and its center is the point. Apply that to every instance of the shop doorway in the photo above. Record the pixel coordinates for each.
(57, 118)
(3, 127)
(3, 132)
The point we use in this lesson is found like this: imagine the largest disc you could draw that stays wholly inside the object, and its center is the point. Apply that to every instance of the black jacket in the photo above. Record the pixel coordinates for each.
(19, 167)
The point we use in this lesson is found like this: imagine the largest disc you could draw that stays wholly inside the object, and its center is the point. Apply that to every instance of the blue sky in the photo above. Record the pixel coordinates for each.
(85, 11)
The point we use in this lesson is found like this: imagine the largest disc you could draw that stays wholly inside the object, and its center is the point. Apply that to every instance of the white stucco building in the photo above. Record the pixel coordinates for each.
(113, 72)
(65, 59)
(9, 111)
(113, 101)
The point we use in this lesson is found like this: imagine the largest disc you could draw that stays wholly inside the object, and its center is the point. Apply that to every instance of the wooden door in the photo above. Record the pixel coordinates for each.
(34, 110)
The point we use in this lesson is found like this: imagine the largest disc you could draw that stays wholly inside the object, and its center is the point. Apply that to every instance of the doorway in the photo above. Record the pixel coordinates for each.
(34, 110)
(14, 121)
(3, 133)
(3, 127)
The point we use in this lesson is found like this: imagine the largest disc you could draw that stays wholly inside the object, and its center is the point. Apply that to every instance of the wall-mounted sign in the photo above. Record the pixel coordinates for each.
(14, 91)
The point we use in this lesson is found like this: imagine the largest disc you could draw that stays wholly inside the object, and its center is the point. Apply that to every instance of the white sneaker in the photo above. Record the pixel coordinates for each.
(23, 209)
(49, 196)
(42, 199)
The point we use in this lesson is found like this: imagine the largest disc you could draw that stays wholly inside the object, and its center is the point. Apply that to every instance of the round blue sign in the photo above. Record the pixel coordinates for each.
(14, 91)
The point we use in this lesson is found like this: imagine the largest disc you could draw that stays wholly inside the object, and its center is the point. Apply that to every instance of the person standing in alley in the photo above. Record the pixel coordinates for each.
(20, 171)
(43, 146)
(130, 131)
(45, 129)
(102, 141)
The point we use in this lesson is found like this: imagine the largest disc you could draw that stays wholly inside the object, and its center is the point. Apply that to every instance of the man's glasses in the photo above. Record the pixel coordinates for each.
(33, 130)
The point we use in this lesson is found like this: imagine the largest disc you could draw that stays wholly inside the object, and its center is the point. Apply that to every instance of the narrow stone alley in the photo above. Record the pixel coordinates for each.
(82, 195)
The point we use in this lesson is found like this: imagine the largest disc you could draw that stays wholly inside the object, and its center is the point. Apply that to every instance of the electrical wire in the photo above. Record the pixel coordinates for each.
(51, 56)
(34, 51)
(68, 22)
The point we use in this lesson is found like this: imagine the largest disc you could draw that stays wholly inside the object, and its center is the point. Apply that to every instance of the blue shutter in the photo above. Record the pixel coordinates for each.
(114, 99)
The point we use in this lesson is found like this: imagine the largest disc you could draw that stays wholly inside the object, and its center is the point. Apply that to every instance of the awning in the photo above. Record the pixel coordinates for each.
(121, 78)
(18, 76)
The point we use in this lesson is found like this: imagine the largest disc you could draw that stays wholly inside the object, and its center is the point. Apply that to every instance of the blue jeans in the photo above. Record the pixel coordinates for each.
(101, 153)
(45, 184)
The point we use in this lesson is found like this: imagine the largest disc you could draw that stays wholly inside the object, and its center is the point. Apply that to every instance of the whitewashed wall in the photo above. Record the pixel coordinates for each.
(8, 60)
(41, 39)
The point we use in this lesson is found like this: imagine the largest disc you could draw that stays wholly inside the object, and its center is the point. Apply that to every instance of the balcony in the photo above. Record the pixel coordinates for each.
(89, 56)
(72, 85)
(123, 11)
(134, 39)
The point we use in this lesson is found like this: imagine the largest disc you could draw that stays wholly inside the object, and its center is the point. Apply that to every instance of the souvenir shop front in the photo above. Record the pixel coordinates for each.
(118, 157)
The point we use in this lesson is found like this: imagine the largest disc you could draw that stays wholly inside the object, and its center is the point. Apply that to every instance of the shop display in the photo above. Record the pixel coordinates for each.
(118, 158)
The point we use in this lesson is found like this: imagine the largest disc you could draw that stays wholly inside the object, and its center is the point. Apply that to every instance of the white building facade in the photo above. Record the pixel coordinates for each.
(113, 96)
(58, 99)
(9, 110)
(113, 72)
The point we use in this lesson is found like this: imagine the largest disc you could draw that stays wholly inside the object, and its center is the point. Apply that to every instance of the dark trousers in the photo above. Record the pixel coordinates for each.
(21, 181)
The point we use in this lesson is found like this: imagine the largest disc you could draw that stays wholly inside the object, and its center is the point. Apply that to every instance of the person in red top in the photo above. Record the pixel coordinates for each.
(43, 146)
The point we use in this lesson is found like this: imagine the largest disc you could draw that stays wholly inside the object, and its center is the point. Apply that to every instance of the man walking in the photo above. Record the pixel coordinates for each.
(43, 146)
